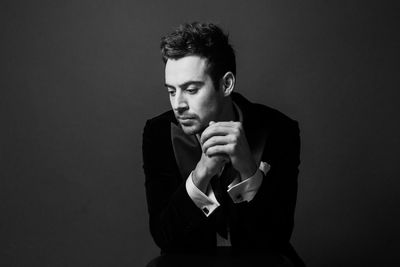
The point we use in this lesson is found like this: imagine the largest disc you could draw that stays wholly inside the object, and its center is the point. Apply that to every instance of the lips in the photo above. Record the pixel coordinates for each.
(184, 118)
(186, 121)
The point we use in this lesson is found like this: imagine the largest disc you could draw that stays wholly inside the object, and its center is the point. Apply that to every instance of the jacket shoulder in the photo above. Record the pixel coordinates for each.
(272, 116)
(161, 121)
(262, 114)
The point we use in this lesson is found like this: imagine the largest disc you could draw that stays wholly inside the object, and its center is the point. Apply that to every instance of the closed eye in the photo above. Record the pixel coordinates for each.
(192, 90)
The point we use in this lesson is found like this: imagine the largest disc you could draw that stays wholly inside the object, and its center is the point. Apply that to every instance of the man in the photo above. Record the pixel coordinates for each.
(221, 172)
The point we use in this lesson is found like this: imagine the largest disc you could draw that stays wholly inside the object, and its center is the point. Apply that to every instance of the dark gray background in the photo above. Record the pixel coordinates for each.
(79, 79)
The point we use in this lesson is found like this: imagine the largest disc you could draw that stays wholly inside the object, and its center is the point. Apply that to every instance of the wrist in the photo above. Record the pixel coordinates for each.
(248, 172)
(200, 179)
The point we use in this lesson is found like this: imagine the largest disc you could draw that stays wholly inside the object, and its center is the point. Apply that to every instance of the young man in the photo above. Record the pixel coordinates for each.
(221, 172)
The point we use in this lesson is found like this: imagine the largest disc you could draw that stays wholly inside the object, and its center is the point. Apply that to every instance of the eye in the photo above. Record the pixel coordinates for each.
(171, 92)
(192, 90)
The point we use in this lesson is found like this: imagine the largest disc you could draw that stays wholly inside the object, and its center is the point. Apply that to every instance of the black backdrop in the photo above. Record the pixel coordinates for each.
(79, 79)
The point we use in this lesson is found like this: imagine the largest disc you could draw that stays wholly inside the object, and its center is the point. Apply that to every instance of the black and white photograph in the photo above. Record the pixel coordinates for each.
(199, 133)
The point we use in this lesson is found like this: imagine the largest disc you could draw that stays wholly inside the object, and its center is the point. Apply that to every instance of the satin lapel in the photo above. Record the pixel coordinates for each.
(186, 149)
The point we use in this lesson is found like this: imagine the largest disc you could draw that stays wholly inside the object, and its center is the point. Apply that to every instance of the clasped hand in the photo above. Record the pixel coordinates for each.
(226, 141)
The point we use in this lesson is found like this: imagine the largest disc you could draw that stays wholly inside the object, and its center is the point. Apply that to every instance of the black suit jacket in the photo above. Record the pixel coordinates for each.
(263, 224)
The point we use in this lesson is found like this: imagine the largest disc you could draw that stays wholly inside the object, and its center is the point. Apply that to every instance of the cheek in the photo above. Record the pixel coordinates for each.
(205, 107)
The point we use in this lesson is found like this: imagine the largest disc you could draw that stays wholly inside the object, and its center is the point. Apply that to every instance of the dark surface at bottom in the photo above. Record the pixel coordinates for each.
(223, 257)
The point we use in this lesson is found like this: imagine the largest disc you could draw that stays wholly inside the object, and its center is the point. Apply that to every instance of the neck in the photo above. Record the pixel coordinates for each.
(227, 114)
(228, 111)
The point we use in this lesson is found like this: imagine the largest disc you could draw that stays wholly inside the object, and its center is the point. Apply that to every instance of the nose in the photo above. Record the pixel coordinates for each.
(179, 104)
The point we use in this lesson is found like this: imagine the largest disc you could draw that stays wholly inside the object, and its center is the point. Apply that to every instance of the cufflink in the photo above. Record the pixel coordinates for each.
(264, 167)
(205, 210)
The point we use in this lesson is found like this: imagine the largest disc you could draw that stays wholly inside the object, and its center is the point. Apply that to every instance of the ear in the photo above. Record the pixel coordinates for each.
(228, 83)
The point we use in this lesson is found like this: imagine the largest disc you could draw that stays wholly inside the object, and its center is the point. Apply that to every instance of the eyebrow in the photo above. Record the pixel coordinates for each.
(186, 84)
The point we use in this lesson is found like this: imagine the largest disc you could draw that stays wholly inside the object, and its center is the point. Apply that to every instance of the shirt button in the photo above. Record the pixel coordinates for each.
(205, 210)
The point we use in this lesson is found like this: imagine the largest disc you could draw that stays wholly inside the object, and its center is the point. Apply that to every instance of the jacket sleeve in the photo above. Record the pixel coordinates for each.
(176, 223)
(268, 219)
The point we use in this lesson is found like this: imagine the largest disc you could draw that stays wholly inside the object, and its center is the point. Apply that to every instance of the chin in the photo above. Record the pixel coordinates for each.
(191, 130)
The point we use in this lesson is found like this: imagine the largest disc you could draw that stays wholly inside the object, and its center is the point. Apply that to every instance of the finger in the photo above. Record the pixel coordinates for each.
(215, 130)
(236, 126)
(216, 140)
(231, 124)
(223, 157)
(220, 149)
(227, 123)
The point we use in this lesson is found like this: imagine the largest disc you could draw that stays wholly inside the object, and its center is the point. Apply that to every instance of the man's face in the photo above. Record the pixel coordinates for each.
(193, 97)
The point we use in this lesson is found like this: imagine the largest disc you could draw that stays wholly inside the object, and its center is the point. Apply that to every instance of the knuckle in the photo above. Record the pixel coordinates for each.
(213, 141)
(205, 147)
(233, 148)
(234, 138)
(212, 131)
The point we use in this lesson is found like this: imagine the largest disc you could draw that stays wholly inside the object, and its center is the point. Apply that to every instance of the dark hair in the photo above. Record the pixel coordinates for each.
(205, 40)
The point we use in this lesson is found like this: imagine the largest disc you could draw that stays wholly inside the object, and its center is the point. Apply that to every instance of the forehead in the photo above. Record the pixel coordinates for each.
(189, 68)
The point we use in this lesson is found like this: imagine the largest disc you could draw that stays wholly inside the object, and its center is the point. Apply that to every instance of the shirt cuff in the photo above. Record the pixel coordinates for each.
(207, 203)
(247, 189)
